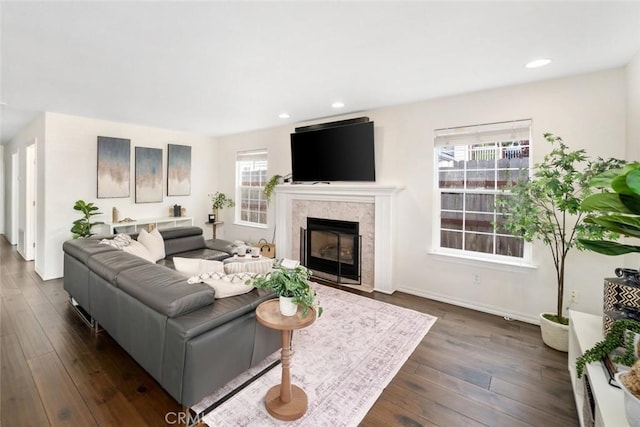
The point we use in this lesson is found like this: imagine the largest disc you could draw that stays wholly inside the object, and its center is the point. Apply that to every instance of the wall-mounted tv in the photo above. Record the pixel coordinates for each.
(337, 151)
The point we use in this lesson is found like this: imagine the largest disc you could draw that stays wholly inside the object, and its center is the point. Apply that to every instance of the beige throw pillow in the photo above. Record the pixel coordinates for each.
(194, 266)
(153, 242)
(138, 249)
(225, 285)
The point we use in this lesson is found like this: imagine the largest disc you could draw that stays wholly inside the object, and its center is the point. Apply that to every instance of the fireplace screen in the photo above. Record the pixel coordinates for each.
(332, 247)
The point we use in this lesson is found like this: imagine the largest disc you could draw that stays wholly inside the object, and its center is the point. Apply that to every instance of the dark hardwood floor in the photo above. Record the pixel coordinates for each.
(471, 369)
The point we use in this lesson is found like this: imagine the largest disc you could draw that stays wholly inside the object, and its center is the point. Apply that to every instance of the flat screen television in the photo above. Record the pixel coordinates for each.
(333, 153)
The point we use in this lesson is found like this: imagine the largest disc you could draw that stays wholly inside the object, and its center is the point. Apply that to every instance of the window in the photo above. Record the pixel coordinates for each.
(474, 165)
(251, 177)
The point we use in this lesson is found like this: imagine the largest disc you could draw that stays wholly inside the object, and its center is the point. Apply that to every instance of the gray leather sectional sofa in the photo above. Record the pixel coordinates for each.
(189, 342)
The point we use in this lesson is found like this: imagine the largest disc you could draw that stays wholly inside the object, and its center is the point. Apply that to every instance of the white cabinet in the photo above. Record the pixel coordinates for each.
(585, 330)
(136, 226)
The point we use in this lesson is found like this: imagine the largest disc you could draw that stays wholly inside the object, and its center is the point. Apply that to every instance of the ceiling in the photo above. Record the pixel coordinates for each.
(219, 68)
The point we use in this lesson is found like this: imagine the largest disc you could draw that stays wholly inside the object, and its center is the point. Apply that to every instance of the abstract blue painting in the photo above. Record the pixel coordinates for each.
(114, 165)
(178, 170)
(148, 175)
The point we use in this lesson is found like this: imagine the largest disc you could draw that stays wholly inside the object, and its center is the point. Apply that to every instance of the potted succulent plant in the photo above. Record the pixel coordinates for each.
(546, 207)
(292, 287)
(220, 201)
(82, 227)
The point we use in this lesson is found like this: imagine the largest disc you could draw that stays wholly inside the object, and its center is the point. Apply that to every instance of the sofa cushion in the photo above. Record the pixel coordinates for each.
(154, 242)
(175, 232)
(184, 244)
(223, 246)
(164, 290)
(205, 253)
(224, 310)
(109, 264)
(83, 249)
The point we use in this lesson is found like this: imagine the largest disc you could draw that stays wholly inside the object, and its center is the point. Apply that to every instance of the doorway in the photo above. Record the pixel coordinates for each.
(15, 199)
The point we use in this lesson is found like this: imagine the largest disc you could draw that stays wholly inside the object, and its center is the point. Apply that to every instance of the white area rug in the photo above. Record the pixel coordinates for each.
(343, 361)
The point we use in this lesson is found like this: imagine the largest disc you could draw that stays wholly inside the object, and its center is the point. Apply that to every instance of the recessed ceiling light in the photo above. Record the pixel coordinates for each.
(284, 115)
(337, 104)
(538, 63)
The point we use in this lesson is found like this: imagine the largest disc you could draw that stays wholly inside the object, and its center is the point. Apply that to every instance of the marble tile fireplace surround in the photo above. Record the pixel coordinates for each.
(371, 205)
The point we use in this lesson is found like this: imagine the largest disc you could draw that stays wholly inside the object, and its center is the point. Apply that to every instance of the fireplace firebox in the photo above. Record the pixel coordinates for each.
(332, 247)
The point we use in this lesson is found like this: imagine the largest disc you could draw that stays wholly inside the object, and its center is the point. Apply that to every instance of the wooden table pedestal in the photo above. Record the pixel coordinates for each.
(285, 401)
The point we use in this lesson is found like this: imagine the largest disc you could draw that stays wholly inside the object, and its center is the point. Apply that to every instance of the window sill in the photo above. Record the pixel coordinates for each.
(251, 225)
(482, 262)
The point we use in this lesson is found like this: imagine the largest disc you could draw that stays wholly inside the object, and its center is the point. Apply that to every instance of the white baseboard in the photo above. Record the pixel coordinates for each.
(524, 317)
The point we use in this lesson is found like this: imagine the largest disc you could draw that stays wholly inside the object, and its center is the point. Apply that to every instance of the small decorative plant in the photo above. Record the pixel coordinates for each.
(82, 227)
(221, 201)
(620, 334)
(292, 283)
(546, 206)
(270, 186)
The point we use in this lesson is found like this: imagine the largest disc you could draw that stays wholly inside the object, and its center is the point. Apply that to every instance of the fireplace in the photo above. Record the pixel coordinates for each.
(332, 247)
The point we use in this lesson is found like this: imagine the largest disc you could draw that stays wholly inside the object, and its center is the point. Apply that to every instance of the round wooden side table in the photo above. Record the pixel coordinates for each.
(284, 401)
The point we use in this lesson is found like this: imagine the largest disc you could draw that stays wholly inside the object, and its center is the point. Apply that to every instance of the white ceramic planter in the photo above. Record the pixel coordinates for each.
(287, 307)
(631, 403)
(554, 334)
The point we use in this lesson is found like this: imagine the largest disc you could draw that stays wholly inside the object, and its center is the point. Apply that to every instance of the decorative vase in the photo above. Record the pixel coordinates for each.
(555, 335)
(287, 306)
(631, 403)
(619, 294)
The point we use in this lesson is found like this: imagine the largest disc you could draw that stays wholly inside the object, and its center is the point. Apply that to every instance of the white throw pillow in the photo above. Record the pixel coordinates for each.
(194, 266)
(153, 242)
(223, 285)
(138, 249)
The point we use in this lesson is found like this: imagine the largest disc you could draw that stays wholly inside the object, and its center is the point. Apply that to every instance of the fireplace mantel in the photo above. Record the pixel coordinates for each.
(381, 196)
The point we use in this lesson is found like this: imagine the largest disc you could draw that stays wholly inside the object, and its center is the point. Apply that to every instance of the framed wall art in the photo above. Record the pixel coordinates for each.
(114, 165)
(178, 170)
(148, 175)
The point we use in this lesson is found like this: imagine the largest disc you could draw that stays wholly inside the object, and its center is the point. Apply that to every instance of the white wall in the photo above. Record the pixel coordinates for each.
(588, 111)
(633, 108)
(2, 190)
(67, 159)
(278, 161)
(633, 131)
(34, 131)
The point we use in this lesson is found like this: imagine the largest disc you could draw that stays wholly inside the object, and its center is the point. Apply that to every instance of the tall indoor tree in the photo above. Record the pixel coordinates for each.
(545, 206)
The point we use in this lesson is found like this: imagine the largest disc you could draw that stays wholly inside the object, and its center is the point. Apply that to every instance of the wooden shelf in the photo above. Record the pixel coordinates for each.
(137, 225)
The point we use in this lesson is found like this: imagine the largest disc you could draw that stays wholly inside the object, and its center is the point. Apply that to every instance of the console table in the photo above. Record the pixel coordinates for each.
(285, 401)
(137, 225)
(585, 330)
